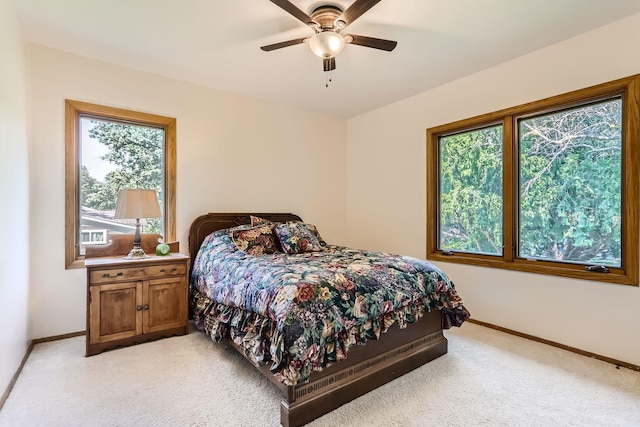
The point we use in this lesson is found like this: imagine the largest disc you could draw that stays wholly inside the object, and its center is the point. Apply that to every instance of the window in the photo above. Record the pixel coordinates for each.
(570, 187)
(93, 237)
(471, 191)
(547, 187)
(108, 149)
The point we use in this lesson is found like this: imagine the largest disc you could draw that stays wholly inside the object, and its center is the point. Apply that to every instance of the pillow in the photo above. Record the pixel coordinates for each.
(255, 240)
(256, 220)
(297, 238)
(315, 232)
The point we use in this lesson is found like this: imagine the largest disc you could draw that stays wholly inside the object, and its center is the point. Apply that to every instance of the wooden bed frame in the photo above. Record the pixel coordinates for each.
(366, 368)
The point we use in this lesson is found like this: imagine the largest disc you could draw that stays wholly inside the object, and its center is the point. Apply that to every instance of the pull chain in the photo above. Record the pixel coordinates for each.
(328, 79)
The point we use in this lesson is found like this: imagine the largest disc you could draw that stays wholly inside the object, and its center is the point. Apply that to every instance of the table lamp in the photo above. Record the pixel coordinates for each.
(137, 203)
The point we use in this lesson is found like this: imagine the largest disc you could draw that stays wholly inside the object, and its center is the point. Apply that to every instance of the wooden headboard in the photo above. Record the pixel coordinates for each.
(206, 224)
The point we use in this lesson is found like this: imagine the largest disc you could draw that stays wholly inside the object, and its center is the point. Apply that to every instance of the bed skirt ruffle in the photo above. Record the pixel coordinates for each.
(263, 343)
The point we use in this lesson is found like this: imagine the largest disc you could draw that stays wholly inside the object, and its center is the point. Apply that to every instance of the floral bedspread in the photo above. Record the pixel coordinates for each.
(303, 312)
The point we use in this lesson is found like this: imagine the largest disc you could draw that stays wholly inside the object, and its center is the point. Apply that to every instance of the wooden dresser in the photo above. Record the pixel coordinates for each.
(132, 301)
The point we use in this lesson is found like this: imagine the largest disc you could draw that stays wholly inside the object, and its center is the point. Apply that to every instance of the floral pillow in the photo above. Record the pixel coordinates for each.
(315, 232)
(256, 220)
(255, 240)
(297, 238)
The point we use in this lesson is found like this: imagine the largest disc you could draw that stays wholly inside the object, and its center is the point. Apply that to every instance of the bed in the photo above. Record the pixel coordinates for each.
(315, 377)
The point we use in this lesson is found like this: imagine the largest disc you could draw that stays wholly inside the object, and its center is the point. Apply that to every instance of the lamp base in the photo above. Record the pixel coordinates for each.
(137, 253)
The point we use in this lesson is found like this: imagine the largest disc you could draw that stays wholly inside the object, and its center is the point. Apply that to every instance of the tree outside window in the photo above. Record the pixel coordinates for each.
(116, 156)
(571, 185)
(471, 191)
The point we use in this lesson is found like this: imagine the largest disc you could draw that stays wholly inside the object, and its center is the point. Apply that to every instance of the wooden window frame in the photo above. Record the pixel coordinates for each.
(74, 110)
(627, 274)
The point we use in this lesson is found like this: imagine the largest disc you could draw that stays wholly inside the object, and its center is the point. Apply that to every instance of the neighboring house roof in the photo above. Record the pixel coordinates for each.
(92, 218)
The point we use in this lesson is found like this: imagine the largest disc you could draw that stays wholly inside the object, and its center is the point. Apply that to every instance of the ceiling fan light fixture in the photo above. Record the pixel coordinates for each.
(326, 44)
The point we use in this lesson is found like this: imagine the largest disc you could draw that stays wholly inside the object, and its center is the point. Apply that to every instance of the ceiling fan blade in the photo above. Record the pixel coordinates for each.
(270, 47)
(293, 10)
(373, 42)
(354, 11)
(329, 64)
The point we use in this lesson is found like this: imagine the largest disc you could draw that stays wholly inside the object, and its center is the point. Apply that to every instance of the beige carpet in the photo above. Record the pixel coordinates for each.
(488, 378)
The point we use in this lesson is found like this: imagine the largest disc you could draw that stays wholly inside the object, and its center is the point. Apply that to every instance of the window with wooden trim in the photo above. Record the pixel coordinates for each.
(547, 187)
(108, 149)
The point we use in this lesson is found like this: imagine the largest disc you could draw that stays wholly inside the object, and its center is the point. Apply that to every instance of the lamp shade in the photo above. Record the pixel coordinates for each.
(137, 203)
(326, 44)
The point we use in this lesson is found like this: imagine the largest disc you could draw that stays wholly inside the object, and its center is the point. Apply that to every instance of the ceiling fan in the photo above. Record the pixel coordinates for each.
(327, 21)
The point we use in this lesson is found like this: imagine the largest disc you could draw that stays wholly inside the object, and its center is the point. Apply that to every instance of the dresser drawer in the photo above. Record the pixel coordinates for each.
(137, 273)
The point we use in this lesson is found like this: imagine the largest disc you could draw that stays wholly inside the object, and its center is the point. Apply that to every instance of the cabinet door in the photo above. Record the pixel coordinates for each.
(165, 304)
(115, 311)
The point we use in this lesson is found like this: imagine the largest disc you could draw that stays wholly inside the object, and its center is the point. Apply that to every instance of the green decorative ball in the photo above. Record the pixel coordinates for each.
(162, 249)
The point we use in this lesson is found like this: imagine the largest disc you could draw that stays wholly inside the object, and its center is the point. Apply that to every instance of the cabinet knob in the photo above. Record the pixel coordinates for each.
(138, 308)
(146, 307)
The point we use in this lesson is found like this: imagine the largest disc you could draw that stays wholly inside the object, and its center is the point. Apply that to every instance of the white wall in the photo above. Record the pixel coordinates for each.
(14, 196)
(387, 211)
(235, 154)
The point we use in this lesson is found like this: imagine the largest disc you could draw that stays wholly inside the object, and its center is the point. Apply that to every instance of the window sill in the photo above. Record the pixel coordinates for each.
(79, 263)
(616, 276)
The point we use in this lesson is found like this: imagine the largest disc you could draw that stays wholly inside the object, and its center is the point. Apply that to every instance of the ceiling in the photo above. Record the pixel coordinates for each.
(216, 43)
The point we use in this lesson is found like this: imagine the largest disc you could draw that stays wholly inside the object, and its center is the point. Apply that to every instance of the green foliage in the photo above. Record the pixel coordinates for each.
(570, 193)
(89, 188)
(471, 191)
(569, 187)
(138, 154)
